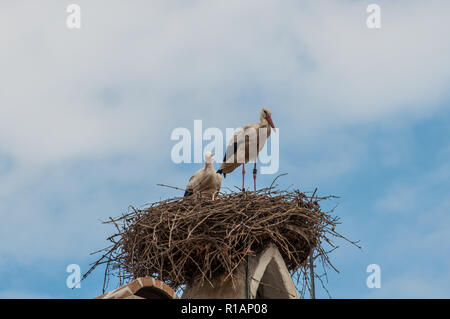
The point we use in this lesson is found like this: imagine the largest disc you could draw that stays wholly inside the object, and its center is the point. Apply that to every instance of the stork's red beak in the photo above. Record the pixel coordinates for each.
(269, 119)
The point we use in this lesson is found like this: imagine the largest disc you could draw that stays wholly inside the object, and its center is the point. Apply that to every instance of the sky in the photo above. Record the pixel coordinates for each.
(86, 117)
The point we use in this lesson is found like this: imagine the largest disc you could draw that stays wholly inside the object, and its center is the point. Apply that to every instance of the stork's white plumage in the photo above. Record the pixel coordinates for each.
(206, 180)
(246, 144)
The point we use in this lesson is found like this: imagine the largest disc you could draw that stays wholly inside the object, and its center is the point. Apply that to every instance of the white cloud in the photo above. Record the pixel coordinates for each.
(316, 63)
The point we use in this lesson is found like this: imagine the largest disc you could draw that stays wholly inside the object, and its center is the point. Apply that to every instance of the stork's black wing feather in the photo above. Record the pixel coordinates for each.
(230, 153)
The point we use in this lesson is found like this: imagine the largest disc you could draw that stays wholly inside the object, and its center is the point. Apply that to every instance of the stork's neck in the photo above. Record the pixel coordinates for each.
(208, 165)
(263, 122)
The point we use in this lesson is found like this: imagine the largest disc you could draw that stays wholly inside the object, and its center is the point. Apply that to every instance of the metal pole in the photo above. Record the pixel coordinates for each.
(311, 270)
(247, 278)
(311, 261)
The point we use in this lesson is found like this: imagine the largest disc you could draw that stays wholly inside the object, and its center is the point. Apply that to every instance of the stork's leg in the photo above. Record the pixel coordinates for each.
(254, 176)
(243, 174)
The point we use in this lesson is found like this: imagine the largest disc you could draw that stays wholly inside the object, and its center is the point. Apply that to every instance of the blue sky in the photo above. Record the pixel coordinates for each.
(86, 117)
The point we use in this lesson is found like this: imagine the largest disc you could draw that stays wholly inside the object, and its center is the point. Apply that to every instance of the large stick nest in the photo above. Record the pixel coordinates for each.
(182, 240)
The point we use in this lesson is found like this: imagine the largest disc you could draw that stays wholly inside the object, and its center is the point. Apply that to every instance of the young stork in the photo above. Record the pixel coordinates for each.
(245, 145)
(205, 180)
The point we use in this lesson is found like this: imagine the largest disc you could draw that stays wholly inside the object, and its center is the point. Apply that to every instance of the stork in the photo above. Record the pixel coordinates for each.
(205, 180)
(246, 144)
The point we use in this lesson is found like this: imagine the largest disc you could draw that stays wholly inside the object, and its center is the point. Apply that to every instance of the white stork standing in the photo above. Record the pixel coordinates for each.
(245, 145)
(205, 180)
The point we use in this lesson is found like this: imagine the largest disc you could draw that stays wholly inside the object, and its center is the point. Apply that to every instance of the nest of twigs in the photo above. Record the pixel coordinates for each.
(182, 240)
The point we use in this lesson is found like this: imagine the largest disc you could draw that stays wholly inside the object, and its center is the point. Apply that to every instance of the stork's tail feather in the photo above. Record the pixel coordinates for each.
(219, 171)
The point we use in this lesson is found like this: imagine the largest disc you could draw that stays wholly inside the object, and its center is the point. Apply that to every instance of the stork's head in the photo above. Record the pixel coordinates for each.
(209, 158)
(266, 116)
